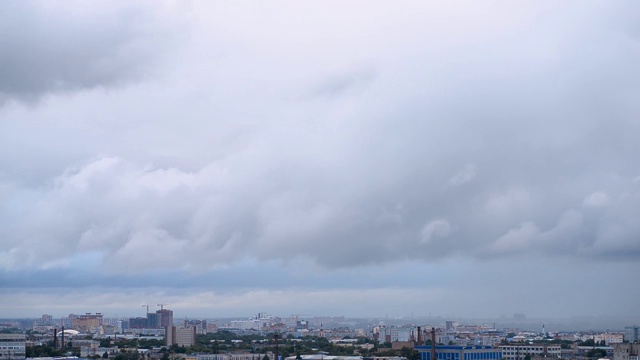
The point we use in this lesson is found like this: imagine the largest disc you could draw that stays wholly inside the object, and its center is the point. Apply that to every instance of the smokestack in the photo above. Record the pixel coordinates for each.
(419, 336)
(62, 335)
(55, 338)
(433, 343)
(275, 338)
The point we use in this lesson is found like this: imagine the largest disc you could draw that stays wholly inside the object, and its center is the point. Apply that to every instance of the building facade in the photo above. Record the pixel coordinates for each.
(12, 346)
(447, 352)
(230, 356)
(165, 318)
(137, 323)
(86, 322)
(518, 352)
(181, 336)
(632, 333)
(626, 351)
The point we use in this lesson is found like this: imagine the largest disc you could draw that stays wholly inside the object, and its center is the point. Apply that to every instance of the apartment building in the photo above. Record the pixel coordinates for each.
(181, 336)
(626, 351)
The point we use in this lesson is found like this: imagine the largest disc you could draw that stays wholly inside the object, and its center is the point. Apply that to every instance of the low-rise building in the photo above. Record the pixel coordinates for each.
(518, 352)
(447, 352)
(12, 346)
(232, 356)
(626, 351)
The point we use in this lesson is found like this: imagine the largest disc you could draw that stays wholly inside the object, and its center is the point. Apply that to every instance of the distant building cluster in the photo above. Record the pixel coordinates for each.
(154, 320)
(92, 334)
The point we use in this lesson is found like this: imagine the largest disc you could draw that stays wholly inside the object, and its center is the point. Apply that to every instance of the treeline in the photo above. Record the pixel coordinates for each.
(223, 341)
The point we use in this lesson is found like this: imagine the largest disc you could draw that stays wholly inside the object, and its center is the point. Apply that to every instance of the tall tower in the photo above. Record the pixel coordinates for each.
(165, 317)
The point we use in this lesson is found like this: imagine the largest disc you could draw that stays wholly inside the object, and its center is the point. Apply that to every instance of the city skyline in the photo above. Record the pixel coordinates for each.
(472, 160)
(606, 328)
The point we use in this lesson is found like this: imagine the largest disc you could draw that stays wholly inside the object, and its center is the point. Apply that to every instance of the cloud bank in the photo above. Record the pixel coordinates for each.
(200, 137)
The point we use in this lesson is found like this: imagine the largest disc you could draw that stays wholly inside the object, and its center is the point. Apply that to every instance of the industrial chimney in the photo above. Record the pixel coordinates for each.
(433, 343)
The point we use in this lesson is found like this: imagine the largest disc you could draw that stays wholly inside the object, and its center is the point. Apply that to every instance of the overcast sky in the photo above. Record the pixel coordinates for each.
(360, 158)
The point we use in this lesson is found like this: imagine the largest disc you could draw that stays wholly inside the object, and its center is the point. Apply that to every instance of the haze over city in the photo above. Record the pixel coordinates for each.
(362, 159)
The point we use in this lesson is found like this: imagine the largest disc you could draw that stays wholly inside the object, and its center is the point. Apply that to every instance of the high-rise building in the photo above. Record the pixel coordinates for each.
(632, 333)
(137, 323)
(165, 318)
(181, 336)
(12, 346)
(153, 320)
(46, 319)
(451, 325)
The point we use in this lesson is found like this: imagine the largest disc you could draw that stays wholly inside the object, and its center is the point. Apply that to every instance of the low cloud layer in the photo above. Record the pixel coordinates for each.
(227, 212)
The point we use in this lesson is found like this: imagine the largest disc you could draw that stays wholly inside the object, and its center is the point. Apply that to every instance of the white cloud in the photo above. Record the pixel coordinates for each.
(466, 174)
(516, 240)
(596, 199)
(505, 204)
(436, 229)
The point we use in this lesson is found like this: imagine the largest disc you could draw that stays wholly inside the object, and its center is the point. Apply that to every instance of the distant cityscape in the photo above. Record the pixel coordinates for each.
(160, 336)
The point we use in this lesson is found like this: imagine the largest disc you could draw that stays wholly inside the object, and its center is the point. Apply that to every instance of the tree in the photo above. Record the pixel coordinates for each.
(588, 342)
(410, 354)
(597, 353)
(105, 355)
(265, 357)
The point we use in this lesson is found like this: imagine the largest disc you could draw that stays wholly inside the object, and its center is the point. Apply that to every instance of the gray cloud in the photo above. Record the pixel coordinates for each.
(73, 47)
(492, 140)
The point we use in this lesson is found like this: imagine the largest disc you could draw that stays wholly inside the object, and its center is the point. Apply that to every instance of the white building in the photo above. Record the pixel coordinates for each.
(230, 356)
(608, 338)
(12, 346)
(258, 322)
(518, 352)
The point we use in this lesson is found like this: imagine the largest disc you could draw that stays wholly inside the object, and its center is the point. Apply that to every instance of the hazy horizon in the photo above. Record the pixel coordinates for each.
(551, 325)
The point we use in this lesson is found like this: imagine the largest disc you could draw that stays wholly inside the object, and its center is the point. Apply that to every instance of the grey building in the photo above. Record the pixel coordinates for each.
(12, 346)
(626, 351)
(632, 333)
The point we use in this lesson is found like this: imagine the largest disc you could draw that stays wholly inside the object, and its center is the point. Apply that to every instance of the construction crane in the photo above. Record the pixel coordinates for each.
(162, 306)
(147, 306)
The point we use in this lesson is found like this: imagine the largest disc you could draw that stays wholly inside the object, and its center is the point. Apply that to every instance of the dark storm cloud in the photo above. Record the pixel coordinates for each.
(64, 47)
